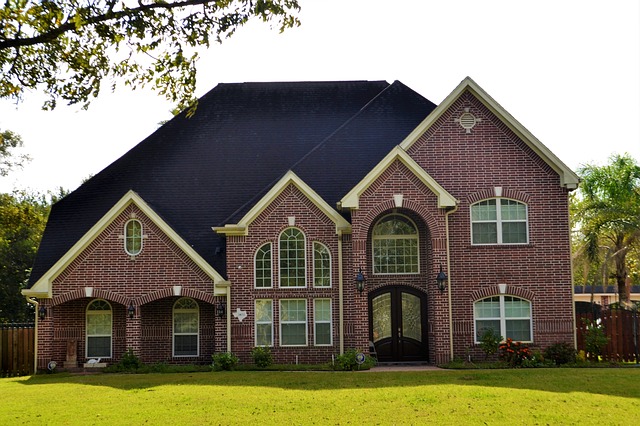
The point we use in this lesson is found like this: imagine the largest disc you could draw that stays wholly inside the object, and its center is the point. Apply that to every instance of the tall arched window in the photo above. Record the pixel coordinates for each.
(99, 329)
(509, 316)
(395, 246)
(292, 258)
(186, 326)
(133, 237)
(321, 265)
(499, 221)
(262, 267)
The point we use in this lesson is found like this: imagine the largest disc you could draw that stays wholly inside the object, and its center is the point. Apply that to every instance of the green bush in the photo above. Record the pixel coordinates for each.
(224, 361)
(560, 353)
(262, 356)
(489, 342)
(595, 339)
(347, 361)
(129, 363)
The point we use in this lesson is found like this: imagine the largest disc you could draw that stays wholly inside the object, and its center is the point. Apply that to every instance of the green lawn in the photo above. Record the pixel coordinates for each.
(604, 396)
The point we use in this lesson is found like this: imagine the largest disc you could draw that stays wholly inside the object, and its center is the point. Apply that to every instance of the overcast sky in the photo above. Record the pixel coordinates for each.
(569, 71)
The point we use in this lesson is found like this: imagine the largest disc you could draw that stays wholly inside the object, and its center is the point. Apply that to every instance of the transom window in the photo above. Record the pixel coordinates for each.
(395, 246)
(292, 258)
(293, 322)
(99, 329)
(133, 237)
(263, 272)
(264, 322)
(507, 315)
(321, 265)
(186, 324)
(499, 221)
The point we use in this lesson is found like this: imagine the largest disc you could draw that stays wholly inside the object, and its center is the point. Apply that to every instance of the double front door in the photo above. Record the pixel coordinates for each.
(398, 324)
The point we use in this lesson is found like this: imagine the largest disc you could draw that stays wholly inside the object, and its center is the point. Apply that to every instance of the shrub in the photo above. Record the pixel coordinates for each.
(514, 353)
(561, 353)
(224, 361)
(348, 361)
(489, 342)
(129, 363)
(595, 339)
(262, 356)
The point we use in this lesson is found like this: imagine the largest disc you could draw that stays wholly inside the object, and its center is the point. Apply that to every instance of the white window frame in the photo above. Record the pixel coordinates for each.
(90, 313)
(499, 221)
(280, 258)
(255, 266)
(392, 237)
(316, 322)
(128, 237)
(503, 318)
(317, 243)
(195, 310)
(262, 322)
(292, 322)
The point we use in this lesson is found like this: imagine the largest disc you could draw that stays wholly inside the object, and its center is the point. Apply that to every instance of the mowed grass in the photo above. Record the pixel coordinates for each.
(520, 397)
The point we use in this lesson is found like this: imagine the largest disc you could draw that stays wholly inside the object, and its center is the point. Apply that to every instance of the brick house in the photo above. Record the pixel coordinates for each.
(312, 218)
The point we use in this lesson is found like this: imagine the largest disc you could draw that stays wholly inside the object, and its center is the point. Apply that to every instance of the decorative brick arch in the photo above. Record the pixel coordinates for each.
(506, 193)
(168, 292)
(495, 291)
(97, 293)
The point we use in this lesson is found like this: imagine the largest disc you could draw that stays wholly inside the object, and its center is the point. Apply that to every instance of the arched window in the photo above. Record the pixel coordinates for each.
(133, 237)
(321, 265)
(509, 316)
(262, 267)
(395, 246)
(499, 221)
(186, 326)
(99, 329)
(292, 258)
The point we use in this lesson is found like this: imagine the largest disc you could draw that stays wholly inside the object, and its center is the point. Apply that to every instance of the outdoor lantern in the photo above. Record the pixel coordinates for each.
(42, 312)
(360, 281)
(131, 310)
(441, 280)
(220, 310)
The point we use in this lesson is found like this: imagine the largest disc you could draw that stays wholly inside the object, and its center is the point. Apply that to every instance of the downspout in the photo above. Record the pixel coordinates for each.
(228, 318)
(35, 303)
(446, 224)
(340, 295)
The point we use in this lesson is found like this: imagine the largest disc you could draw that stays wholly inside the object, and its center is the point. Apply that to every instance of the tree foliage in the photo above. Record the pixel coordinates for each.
(606, 211)
(22, 221)
(68, 47)
(9, 160)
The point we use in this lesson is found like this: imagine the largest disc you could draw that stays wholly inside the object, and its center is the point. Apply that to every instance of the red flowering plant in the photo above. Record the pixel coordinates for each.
(514, 353)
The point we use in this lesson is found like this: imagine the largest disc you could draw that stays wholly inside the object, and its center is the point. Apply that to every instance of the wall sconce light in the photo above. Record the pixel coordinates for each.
(131, 310)
(220, 310)
(42, 312)
(441, 280)
(360, 279)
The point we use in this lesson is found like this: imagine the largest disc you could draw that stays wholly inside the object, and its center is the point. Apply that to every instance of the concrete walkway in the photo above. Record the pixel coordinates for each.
(406, 367)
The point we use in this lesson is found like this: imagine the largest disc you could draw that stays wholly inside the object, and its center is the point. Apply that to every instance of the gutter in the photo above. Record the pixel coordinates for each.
(340, 295)
(446, 224)
(35, 303)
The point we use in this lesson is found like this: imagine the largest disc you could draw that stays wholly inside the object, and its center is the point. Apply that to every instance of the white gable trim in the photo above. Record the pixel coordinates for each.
(290, 178)
(352, 199)
(43, 287)
(568, 178)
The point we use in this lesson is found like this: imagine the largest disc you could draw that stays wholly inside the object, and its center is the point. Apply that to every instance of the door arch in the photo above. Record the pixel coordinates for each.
(398, 324)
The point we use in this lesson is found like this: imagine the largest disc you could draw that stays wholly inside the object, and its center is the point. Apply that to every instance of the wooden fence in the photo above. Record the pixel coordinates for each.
(622, 330)
(16, 349)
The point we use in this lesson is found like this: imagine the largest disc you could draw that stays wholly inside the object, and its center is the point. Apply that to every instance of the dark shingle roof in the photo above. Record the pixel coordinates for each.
(210, 169)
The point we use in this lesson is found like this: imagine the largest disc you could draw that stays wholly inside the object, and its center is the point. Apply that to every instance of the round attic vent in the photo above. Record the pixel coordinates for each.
(467, 121)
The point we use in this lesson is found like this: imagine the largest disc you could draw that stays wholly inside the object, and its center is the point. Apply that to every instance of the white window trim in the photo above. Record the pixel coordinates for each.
(173, 329)
(329, 321)
(499, 222)
(503, 318)
(314, 266)
(87, 313)
(126, 237)
(304, 239)
(305, 322)
(256, 322)
(255, 266)
(389, 237)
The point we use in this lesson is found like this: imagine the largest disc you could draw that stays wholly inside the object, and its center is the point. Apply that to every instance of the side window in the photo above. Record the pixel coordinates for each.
(133, 237)
(321, 265)
(292, 258)
(99, 329)
(499, 221)
(262, 269)
(264, 322)
(507, 315)
(186, 325)
(322, 322)
(395, 246)
(293, 322)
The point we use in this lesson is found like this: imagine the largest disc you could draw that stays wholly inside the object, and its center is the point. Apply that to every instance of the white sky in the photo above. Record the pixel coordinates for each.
(568, 70)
